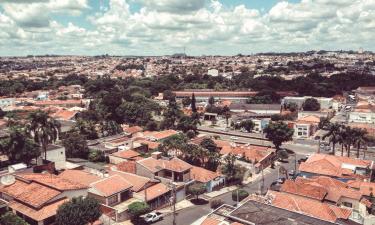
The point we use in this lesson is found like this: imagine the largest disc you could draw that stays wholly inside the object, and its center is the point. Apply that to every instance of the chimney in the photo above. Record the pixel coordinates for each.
(156, 155)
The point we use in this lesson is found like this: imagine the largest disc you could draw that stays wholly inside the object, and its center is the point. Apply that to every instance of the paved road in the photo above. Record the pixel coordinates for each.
(189, 215)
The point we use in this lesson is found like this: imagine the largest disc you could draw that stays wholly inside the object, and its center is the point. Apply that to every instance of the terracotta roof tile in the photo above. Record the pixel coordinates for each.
(79, 176)
(173, 164)
(156, 191)
(137, 182)
(306, 190)
(128, 166)
(37, 214)
(110, 186)
(53, 181)
(33, 194)
(126, 154)
(202, 175)
(132, 130)
(308, 206)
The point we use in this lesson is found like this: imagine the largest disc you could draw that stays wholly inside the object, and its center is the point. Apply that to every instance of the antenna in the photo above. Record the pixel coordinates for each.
(7, 180)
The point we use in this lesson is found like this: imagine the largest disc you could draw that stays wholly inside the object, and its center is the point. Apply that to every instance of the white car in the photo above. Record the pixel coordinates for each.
(152, 217)
(233, 138)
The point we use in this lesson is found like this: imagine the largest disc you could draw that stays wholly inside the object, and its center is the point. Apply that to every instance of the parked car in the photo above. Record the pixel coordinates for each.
(233, 138)
(153, 217)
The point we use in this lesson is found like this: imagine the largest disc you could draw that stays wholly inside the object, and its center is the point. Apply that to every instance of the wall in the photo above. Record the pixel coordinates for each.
(359, 117)
(116, 160)
(57, 156)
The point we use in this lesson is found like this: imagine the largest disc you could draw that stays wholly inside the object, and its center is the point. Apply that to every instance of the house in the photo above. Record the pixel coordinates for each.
(159, 135)
(268, 109)
(338, 167)
(260, 124)
(211, 180)
(308, 206)
(115, 195)
(168, 170)
(111, 144)
(262, 212)
(36, 197)
(364, 112)
(306, 126)
(131, 130)
(255, 157)
(330, 191)
(123, 156)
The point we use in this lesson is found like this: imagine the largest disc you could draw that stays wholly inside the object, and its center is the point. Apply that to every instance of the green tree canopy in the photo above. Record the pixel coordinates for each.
(10, 218)
(137, 209)
(75, 145)
(311, 104)
(196, 189)
(78, 211)
(278, 132)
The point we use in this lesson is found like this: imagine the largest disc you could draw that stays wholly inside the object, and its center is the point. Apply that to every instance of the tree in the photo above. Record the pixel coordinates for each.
(10, 218)
(324, 123)
(196, 189)
(234, 173)
(172, 114)
(208, 144)
(211, 101)
(193, 104)
(333, 134)
(174, 145)
(96, 156)
(152, 126)
(186, 101)
(43, 128)
(2, 113)
(186, 123)
(78, 211)
(18, 147)
(248, 125)
(86, 128)
(137, 209)
(109, 127)
(239, 195)
(293, 107)
(311, 104)
(278, 132)
(360, 138)
(75, 145)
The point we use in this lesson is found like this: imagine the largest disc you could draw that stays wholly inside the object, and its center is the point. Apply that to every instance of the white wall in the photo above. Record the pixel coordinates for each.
(57, 156)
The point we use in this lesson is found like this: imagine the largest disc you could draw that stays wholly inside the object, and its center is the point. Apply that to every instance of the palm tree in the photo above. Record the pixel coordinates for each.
(349, 138)
(334, 135)
(359, 138)
(43, 128)
(342, 135)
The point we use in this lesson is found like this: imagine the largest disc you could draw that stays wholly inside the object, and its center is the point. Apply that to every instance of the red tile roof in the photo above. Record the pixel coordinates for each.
(156, 165)
(128, 166)
(79, 176)
(53, 181)
(126, 154)
(202, 175)
(138, 182)
(308, 206)
(110, 186)
(305, 190)
(132, 130)
(33, 194)
(37, 214)
(156, 191)
(330, 165)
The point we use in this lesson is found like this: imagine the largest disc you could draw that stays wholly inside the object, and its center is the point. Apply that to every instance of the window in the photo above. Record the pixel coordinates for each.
(347, 204)
(112, 200)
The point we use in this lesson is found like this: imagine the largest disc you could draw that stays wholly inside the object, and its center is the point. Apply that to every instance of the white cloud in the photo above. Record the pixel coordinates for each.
(203, 26)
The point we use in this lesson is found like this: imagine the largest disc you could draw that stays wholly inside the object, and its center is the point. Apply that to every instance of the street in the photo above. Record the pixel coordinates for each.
(189, 215)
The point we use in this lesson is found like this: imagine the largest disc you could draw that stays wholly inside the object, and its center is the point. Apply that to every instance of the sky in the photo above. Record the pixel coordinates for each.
(201, 27)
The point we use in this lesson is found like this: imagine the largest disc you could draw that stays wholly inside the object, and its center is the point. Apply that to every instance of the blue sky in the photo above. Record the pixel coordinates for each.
(150, 27)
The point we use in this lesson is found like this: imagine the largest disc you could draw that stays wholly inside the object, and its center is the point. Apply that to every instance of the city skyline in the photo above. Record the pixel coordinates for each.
(144, 27)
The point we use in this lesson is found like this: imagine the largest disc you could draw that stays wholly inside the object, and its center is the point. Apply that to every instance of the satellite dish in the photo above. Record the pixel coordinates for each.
(7, 180)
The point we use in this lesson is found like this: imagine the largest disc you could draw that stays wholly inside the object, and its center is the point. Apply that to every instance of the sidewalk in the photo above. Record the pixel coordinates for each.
(224, 190)
(180, 205)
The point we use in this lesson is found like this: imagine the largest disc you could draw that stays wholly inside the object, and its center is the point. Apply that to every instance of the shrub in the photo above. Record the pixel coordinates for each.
(242, 194)
(216, 203)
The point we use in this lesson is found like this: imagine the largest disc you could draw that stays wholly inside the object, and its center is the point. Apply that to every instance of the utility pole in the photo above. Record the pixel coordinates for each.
(295, 163)
(261, 191)
(174, 203)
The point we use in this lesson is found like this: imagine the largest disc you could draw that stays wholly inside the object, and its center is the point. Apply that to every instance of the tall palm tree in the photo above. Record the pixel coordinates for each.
(333, 134)
(350, 136)
(360, 138)
(342, 135)
(43, 128)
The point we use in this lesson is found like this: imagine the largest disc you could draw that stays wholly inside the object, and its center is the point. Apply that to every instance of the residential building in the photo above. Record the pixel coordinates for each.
(36, 197)
(338, 167)
(123, 156)
(211, 180)
(306, 126)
